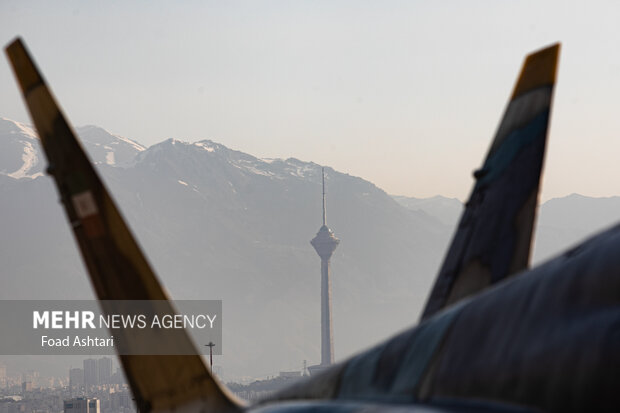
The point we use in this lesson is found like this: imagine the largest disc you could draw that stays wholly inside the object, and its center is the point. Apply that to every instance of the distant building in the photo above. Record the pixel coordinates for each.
(118, 377)
(121, 401)
(290, 374)
(32, 376)
(76, 378)
(104, 370)
(260, 389)
(91, 376)
(26, 387)
(2, 371)
(82, 405)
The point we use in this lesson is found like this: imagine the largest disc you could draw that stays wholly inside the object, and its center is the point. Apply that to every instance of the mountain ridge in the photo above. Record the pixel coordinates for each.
(217, 223)
(220, 224)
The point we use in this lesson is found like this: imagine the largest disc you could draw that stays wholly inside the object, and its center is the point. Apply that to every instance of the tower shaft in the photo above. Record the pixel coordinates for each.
(327, 342)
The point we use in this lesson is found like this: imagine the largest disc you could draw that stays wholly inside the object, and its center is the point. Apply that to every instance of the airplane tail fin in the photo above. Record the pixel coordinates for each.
(494, 235)
(118, 269)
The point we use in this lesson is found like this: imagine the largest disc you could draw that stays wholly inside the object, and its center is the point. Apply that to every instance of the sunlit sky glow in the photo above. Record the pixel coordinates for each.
(406, 94)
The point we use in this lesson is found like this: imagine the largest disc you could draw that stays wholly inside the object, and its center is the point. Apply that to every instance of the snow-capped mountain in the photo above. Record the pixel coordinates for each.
(221, 224)
(104, 147)
(217, 223)
(21, 155)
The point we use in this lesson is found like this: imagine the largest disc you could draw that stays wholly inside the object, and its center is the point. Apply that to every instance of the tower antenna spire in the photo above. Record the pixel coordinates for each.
(324, 209)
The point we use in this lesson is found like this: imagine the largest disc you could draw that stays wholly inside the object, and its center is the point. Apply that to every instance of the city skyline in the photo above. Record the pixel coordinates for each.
(492, 243)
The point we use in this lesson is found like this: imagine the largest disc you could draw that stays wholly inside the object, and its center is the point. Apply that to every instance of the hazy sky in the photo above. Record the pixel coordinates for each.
(406, 94)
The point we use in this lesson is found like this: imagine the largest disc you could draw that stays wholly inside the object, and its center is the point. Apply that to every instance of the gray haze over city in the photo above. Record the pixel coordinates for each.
(219, 115)
(222, 224)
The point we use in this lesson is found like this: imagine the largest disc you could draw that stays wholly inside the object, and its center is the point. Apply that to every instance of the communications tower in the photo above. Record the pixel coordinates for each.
(325, 243)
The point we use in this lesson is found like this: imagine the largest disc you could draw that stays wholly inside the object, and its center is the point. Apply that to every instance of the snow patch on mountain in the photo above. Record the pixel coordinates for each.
(99, 135)
(302, 171)
(25, 130)
(19, 152)
(107, 148)
(205, 146)
(131, 143)
(30, 159)
(252, 167)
